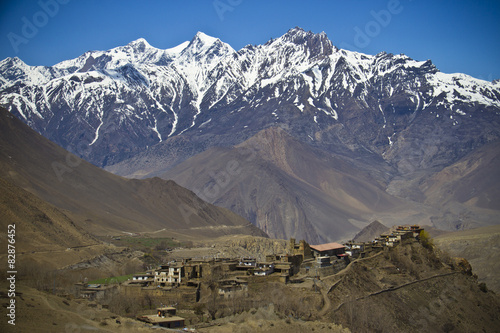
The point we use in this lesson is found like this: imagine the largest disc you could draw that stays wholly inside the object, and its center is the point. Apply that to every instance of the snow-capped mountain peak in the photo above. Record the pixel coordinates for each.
(138, 52)
(203, 38)
(15, 61)
(15, 71)
(139, 43)
(203, 45)
(130, 97)
(176, 50)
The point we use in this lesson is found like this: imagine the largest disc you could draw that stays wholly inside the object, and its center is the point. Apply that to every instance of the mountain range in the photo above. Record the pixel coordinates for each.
(298, 136)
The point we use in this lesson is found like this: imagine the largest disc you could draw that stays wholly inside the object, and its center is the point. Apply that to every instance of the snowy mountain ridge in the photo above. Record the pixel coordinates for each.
(131, 97)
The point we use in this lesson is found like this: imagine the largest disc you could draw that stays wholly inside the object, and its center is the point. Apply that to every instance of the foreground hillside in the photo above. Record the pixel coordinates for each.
(43, 312)
(410, 289)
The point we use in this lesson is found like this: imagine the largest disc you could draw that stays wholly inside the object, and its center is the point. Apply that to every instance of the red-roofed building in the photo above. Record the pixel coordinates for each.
(329, 249)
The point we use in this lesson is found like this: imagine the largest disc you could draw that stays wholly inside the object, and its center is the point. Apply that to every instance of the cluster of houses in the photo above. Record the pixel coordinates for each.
(233, 275)
(301, 257)
(401, 233)
(385, 240)
(309, 260)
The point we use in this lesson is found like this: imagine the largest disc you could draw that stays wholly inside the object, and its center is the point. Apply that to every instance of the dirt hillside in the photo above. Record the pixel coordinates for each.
(481, 248)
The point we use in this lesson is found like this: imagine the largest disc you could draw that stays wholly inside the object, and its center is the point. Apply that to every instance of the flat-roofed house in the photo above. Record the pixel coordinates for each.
(264, 268)
(329, 249)
(230, 287)
(165, 317)
(170, 274)
(142, 278)
(246, 264)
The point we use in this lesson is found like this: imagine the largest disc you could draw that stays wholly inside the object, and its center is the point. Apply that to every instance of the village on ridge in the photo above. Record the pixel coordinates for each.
(233, 275)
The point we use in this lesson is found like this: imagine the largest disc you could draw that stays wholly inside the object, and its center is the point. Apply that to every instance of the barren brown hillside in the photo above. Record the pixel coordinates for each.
(101, 202)
(42, 312)
(39, 225)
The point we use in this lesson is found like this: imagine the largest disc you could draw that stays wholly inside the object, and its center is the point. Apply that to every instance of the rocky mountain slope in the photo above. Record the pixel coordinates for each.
(471, 181)
(287, 188)
(410, 289)
(101, 202)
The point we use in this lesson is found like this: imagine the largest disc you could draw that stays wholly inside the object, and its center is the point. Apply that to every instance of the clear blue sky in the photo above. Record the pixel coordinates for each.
(458, 36)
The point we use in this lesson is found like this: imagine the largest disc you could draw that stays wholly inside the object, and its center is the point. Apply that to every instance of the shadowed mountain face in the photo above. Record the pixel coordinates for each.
(102, 202)
(468, 191)
(472, 181)
(286, 187)
(39, 225)
(290, 189)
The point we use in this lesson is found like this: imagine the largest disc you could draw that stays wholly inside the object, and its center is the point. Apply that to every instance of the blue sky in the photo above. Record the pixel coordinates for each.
(458, 36)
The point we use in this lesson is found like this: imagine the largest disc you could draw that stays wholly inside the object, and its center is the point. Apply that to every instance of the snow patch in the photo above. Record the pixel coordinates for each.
(155, 129)
(96, 133)
(205, 122)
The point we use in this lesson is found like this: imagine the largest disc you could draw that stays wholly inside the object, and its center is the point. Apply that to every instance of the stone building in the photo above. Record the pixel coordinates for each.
(302, 249)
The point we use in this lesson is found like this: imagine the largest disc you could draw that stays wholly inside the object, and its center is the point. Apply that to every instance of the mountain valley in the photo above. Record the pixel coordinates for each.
(201, 151)
(339, 138)
(240, 166)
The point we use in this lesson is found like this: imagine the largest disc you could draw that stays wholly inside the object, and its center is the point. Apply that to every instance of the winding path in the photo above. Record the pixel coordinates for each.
(393, 289)
(325, 289)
